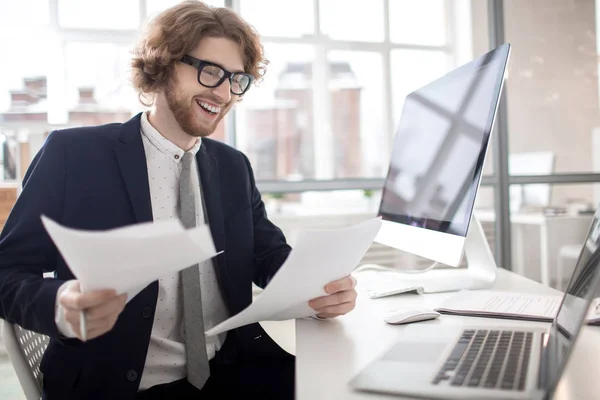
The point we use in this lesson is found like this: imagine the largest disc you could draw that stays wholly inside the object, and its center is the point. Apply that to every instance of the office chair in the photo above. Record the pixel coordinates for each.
(25, 350)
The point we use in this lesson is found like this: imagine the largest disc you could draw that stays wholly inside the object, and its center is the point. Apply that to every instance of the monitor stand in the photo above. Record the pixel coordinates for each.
(479, 274)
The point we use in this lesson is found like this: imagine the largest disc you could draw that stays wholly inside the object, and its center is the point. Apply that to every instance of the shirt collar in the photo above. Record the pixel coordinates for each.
(163, 144)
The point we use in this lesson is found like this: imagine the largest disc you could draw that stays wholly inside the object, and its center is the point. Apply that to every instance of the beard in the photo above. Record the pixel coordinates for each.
(183, 111)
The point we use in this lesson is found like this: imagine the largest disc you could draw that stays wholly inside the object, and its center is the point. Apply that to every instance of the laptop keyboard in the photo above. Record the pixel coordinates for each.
(488, 359)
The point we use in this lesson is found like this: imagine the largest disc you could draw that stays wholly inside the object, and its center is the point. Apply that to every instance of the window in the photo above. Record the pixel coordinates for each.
(20, 63)
(356, 114)
(552, 93)
(421, 22)
(275, 119)
(338, 120)
(326, 109)
(279, 18)
(105, 14)
(554, 65)
(98, 83)
(153, 7)
(23, 13)
(352, 20)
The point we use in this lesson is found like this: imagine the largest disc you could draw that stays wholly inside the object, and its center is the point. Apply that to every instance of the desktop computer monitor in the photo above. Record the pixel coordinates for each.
(437, 160)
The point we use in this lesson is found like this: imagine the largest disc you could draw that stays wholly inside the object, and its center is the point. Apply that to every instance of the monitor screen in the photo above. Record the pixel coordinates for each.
(580, 291)
(440, 146)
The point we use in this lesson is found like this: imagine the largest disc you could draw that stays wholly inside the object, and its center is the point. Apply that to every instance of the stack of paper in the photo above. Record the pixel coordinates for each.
(511, 305)
(128, 259)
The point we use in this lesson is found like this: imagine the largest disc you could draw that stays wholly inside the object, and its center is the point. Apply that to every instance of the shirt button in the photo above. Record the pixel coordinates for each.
(132, 375)
(177, 156)
(147, 312)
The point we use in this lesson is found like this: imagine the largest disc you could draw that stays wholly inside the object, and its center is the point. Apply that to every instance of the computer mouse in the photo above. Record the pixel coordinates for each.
(408, 315)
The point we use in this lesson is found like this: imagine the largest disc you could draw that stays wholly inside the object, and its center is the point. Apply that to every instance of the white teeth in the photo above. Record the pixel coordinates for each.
(209, 107)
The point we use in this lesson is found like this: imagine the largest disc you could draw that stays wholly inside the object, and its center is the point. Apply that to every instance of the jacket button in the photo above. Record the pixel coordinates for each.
(132, 375)
(147, 312)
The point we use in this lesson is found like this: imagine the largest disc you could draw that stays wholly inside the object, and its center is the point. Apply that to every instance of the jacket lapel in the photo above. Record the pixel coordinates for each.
(132, 162)
(211, 191)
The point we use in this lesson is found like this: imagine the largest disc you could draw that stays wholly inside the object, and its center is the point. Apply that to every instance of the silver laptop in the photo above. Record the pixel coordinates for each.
(487, 362)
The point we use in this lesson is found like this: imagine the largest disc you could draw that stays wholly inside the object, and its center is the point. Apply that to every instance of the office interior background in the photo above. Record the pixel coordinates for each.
(320, 127)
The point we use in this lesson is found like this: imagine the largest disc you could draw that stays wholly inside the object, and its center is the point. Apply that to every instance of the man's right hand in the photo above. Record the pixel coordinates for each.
(102, 308)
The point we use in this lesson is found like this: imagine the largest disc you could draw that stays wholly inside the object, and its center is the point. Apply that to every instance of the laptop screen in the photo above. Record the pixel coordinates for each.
(573, 310)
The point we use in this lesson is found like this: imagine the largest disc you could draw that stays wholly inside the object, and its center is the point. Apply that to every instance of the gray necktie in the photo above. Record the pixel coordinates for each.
(198, 369)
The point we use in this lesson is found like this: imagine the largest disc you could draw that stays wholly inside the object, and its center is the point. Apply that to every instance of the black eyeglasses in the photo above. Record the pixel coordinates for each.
(212, 75)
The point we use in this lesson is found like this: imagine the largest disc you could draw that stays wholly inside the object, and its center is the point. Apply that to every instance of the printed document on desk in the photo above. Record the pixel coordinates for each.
(510, 305)
(130, 258)
(318, 258)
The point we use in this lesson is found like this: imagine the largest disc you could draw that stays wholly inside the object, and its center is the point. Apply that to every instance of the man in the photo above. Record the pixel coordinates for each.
(193, 64)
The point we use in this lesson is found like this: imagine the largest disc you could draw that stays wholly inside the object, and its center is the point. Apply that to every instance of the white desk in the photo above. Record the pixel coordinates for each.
(330, 353)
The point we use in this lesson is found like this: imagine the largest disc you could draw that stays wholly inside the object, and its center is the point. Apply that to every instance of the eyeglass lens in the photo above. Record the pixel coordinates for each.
(211, 75)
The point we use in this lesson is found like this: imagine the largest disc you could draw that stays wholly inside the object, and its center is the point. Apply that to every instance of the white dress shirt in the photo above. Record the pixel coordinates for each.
(166, 359)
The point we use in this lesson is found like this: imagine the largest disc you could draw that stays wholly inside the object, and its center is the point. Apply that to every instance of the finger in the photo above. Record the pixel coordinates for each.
(94, 328)
(346, 283)
(111, 307)
(332, 299)
(82, 301)
(338, 309)
(325, 315)
(73, 318)
(94, 333)
(106, 323)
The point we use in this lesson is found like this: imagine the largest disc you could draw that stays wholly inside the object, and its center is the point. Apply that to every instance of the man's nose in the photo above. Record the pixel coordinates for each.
(223, 91)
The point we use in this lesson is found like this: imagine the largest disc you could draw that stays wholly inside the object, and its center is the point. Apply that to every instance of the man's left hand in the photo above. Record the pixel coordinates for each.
(340, 299)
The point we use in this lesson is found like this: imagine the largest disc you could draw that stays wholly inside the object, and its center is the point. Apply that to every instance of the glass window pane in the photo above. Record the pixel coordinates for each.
(23, 13)
(98, 83)
(23, 78)
(9, 157)
(418, 22)
(546, 238)
(352, 20)
(93, 14)
(484, 210)
(25, 22)
(552, 89)
(279, 18)
(275, 119)
(155, 6)
(359, 136)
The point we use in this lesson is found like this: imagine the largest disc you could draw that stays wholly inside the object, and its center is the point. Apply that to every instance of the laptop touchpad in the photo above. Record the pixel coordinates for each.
(423, 352)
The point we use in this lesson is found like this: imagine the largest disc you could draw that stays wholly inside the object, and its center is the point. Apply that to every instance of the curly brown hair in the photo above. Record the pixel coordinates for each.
(176, 31)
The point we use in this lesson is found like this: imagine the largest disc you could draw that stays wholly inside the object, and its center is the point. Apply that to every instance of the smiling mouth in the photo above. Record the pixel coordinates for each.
(208, 108)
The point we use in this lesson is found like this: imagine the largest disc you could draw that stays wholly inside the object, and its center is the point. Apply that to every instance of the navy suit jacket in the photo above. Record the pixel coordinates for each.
(96, 178)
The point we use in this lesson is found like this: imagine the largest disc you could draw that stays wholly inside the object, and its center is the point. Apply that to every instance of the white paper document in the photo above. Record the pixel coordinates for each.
(130, 258)
(502, 304)
(515, 305)
(318, 258)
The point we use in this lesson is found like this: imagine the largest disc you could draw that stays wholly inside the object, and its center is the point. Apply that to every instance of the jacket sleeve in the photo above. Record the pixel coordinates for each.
(270, 247)
(26, 250)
